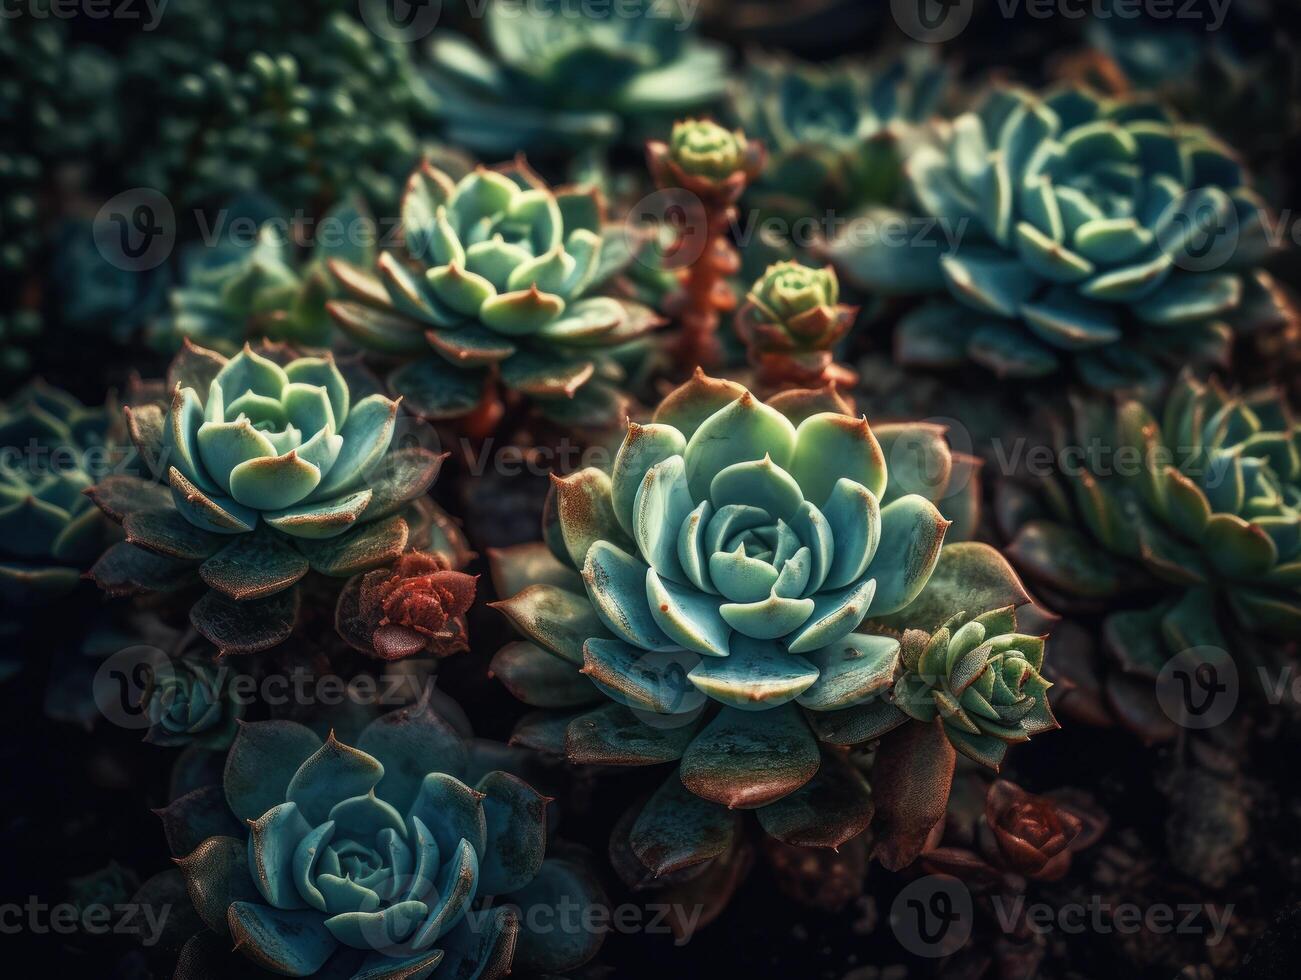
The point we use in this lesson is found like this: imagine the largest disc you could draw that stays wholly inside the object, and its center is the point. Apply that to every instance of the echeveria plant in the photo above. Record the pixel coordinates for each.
(1200, 508)
(398, 856)
(49, 531)
(572, 76)
(791, 322)
(496, 288)
(187, 702)
(1088, 233)
(709, 591)
(237, 289)
(270, 465)
(835, 134)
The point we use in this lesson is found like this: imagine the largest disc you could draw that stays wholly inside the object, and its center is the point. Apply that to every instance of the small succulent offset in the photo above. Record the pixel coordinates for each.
(187, 702)
(835, 134)
(705, 169)
(1020, 835)
(496, 288)
(379, 860)
(979, 678)
(416, 605)
(1098, 234)
(275, 467)
(256, 287)
(1202, 508)
(791, 322)
(572, 76)
(49, 531)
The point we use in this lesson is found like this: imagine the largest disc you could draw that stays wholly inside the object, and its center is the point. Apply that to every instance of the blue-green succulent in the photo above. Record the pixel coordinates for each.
(1185, 527)
(51, 450)
(1088, 233)
(271, 464)
(497, 288)
(399, 856)
(187, 701)
(560, 75)
(259, 286)
(727, 560)
(836, 134)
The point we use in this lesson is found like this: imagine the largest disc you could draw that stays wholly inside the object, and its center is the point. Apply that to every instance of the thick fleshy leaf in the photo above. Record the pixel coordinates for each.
(559, 620)
(850, 671)
(540, 679)
(166, 532)
(517, 833)
(245, 627)
(833, 807)
(969, 576)
(756, 676)
(515, 568)
(586, 515)
(688, 405)
(408, 744)
(830, 447)
(743, 431)
(559, 884)
(910, 782)
(332, 773)
(689, 618)
(834, 616)
(912, 531)
(361, 549)
(273, 839)
(434, 389)
(262, 761)
(653, 682)
(612, 735)
(616, 583)
(253, 566)
(191, 819)
(216, 874)
(677, 829)
(643, 447)
(660, 507)
(221, 515)
(749, 759)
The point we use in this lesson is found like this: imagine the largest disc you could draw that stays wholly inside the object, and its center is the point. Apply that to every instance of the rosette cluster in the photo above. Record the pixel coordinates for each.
(1084, 231)
(497, 281)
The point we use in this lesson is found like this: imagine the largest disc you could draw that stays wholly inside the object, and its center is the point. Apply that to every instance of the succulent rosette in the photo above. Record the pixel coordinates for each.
(187, 702)
(1099, 235)
(977, 677)
(403, 855)
(1200, 510)
(571, 76)
(416, 605)
(709, 160)
(835, 134)
(272, 466)
(791, 321)
(1020, 834)
(497, 287)
(53, 446)
(236, 289)
(707, 596)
